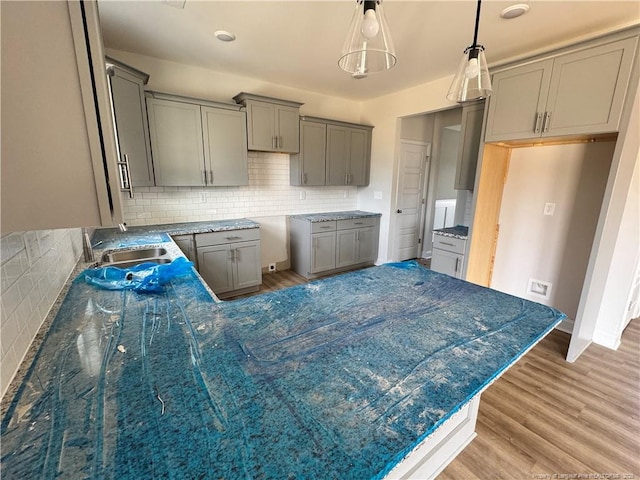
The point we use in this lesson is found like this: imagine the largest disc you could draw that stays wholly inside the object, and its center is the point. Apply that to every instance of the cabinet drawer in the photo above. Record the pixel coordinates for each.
(227, 236)
(450, 244)
(357, 223)
(317, 227)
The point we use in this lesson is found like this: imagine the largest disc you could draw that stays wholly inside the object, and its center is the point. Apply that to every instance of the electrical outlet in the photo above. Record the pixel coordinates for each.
(303, 194)
(203, 197)
(272, 267)
(539, 288)
(345, 194)
(377, 195)
(549, 208)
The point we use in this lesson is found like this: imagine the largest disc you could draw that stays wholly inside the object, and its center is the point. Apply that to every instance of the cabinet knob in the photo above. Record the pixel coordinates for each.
(398, 211)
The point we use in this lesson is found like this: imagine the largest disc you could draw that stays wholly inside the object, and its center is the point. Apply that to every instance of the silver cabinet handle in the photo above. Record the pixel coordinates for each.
(279, 142)
(346, 179)
(211, 177)
(358, 223)
(304, 178)
(538, 123)
(547, 122)
(457, 263)
(233, 237)
(204, 176)
(357, 235)
(446, 243)
(125, 175)
(325, 226)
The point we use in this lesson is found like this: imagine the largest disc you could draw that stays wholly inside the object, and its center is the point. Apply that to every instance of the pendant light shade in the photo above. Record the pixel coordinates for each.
(368, 47)
(472, 80)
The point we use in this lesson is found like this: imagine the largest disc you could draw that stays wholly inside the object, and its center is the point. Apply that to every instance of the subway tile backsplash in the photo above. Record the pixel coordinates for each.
(34, 267)
(267, 194)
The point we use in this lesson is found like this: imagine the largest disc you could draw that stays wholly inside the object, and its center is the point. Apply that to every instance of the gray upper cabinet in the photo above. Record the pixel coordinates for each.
(331, 153)
(58, 145)
(470, 136)
(176, 142)
(132, 131)
(309, 167)
(272, 124)
(576, 93)
(225, 152)
(196, 144)
(348, 155)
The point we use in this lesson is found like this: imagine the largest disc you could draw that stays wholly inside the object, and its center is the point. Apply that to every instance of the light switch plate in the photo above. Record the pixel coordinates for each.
(549, 208)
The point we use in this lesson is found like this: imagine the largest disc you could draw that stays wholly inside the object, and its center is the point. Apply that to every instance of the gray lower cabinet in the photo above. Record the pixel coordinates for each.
(126, 86)
(448, 255)
(230, 261)
(575, 93)
(331, 153)
(187, 244)
(195, 143)
(320, 248)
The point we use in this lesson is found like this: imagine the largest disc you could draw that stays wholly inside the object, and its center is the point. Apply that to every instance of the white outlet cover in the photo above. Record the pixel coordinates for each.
(539, 288)
(549, 208)
(377, 195)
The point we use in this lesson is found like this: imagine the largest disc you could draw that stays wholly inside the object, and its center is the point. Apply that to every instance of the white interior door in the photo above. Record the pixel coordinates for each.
(411, 197)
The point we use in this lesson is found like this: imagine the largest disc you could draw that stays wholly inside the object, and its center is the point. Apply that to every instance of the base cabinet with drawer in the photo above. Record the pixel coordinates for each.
(448, 255)
(229, 261)
(325, 247)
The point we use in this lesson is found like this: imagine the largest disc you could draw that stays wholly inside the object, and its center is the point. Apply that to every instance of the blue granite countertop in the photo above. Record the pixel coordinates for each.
(305, 382)
(109, 238)
(458, 231)
(333, 216)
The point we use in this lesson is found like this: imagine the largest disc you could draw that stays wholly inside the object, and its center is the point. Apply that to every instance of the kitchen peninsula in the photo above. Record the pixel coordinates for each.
(339, 378)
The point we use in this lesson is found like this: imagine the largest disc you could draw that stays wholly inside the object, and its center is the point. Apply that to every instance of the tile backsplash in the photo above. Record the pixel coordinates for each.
(34, 267)
(267, 194)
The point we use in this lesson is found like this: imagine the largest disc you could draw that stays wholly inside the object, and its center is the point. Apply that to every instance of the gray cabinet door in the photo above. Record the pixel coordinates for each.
(176, 143)
(216, 267)
(337, 155)
(346, 247)
(367, 239)
(518, 103)
(588, 88)
(288, 129)
(309, 166)
(186, 243)
(359, 157)
(470, 137)
(261, 126)
(225, 151)
(447, 262)
(247, 271)
(323, 252)
(132, 130)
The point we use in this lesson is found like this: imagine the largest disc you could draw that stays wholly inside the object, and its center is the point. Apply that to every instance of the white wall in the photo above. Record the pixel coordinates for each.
(553, 249)
(35, 266)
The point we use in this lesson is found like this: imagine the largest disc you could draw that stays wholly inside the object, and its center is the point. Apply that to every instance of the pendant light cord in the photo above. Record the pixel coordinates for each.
(475, 33)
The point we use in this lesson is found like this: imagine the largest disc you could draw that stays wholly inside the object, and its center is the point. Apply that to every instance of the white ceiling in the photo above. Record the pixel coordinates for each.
(297, 43)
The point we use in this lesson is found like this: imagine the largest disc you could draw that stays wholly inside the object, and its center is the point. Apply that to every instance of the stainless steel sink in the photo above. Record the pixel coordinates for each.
(132, 257)
(133, 263)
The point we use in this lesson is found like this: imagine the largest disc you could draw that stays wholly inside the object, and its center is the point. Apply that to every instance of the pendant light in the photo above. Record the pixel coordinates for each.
(368, 47)
(472, 81)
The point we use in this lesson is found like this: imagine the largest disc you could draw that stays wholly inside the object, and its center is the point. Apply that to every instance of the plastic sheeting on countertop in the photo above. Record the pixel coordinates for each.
(338, 378)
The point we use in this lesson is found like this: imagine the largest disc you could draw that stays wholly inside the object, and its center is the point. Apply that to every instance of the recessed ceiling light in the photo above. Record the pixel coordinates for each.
(224, 36)
(514, 11)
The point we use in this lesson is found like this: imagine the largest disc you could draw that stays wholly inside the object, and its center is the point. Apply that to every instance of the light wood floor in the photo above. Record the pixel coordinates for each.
(549, 419)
